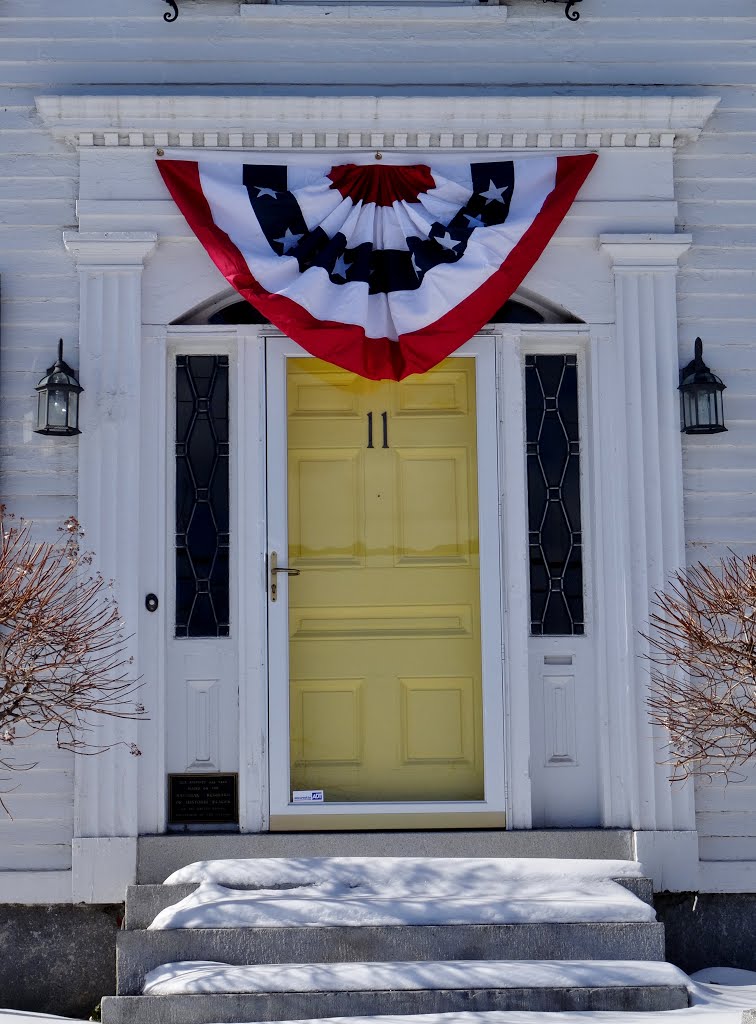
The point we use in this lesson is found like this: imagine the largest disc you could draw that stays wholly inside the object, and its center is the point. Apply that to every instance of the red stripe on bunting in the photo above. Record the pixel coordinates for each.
(382, 185)
(346, 345)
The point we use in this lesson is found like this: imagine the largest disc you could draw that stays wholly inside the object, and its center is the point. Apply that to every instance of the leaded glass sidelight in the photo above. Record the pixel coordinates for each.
(554, 523)
(202, 496)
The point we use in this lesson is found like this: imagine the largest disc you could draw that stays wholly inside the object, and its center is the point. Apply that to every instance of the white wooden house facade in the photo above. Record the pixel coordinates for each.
(657, 249)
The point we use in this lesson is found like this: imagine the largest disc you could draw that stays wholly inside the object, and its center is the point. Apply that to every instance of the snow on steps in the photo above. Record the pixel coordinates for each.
(139, 952)
(196, 977)
(322, 912)
(377, 891)
(191, 993)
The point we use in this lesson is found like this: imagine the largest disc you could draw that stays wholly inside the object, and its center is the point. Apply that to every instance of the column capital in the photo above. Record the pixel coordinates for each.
(109, 248)
(644, 252)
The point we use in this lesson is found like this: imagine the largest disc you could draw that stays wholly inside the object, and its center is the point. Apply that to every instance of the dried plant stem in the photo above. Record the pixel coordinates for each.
(703, 650)
(64, 661)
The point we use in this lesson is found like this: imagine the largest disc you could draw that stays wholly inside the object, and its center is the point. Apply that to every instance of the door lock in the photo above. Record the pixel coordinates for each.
(274, 569)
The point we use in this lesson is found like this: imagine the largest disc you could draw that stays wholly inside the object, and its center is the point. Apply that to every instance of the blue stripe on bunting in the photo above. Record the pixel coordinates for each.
(384, 270)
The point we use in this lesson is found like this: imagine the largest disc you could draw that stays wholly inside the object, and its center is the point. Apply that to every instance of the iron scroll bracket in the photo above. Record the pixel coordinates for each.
(173, 13)
(571, 14)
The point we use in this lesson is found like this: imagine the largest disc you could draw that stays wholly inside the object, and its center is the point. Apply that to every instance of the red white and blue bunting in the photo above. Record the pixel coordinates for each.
(381, 268)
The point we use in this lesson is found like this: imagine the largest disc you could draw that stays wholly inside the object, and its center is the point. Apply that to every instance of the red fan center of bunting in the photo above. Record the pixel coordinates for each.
(382, 185)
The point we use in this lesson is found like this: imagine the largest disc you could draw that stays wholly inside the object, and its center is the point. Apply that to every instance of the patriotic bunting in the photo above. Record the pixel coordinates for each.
(381, 268)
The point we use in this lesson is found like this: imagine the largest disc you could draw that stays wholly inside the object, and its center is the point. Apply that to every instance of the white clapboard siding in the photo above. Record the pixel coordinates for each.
(36, 828)
(726, 817)
(46, 45)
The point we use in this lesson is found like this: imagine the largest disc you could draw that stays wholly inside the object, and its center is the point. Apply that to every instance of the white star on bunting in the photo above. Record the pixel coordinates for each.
(289, 240)
(266, 192)
(494, 194)
(474, 222)
(340, 267)
(447, 242)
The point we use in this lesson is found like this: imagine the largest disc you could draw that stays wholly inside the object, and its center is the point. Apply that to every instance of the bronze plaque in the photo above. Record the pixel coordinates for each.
(195, 799)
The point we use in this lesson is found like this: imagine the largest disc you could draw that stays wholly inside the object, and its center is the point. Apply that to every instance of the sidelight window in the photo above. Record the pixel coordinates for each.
(554, 519)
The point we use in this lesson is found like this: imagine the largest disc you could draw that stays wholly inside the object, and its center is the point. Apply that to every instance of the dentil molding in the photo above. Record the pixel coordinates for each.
(467, 122)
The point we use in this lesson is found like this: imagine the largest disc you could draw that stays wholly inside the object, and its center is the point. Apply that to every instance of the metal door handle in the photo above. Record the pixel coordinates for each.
(276, 568)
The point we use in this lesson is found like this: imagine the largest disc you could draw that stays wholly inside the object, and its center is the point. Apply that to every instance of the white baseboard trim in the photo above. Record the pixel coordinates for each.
(722, 876)
(102, 868)
(35, 887)
(670, 859)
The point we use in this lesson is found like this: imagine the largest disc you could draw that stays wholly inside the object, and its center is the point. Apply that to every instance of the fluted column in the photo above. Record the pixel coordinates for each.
(110, 271)
(645, 269)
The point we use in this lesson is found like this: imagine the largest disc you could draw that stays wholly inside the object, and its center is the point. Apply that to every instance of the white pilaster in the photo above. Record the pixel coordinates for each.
(110, 270)
(648, 480)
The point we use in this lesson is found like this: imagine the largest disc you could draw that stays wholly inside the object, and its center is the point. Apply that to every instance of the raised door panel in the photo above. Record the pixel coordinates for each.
(326, 522)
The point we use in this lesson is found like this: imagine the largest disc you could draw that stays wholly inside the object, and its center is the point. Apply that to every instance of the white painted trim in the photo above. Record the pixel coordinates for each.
(249, 498)
(413, 121)
(103, 868)
(490, 585)
(587, 217)
(670, 859)
(35, 887)
(513, 527)
(463, 12)
(641, 399)
(645, 251)
(156, 576)
(110, 349)
(723, 876)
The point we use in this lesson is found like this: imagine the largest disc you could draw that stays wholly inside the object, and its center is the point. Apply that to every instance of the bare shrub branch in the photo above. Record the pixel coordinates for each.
(63, 657)
(703, 650)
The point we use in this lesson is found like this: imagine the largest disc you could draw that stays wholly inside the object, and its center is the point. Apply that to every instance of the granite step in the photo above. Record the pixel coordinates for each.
(144, 902)
(296, 991)
(158, 856)
(138, 952)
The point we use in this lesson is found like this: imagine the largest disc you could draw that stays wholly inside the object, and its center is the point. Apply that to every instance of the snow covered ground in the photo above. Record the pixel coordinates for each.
(24, 1017)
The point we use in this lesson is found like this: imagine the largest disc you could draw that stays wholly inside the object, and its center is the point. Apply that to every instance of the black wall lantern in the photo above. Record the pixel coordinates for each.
(58, 399)
(700, 397)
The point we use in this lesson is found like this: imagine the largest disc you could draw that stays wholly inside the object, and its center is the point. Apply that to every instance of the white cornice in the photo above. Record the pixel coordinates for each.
(368, 122)
(109, 248)
(643, 251)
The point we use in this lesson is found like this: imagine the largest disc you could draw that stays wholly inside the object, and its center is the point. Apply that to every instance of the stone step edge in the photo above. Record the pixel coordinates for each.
(138, 952)
(446, 975)
(323, 1007)
(144, 902)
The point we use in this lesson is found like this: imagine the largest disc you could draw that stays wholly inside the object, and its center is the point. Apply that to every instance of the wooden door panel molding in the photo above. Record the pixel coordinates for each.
(335, 536)
(326, 722)
(433, 517)
(438, 721)
(446, 394)
(370, 621)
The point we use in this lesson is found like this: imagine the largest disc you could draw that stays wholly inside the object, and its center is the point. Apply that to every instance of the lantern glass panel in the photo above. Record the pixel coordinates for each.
(73, 410)
(706, 408)
(41, 410)
(57, 408)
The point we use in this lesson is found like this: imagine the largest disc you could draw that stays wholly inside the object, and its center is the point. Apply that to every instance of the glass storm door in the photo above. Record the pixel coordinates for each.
(375, 590)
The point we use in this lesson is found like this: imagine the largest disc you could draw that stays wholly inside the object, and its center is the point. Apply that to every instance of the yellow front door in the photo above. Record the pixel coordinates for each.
(384, 617)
